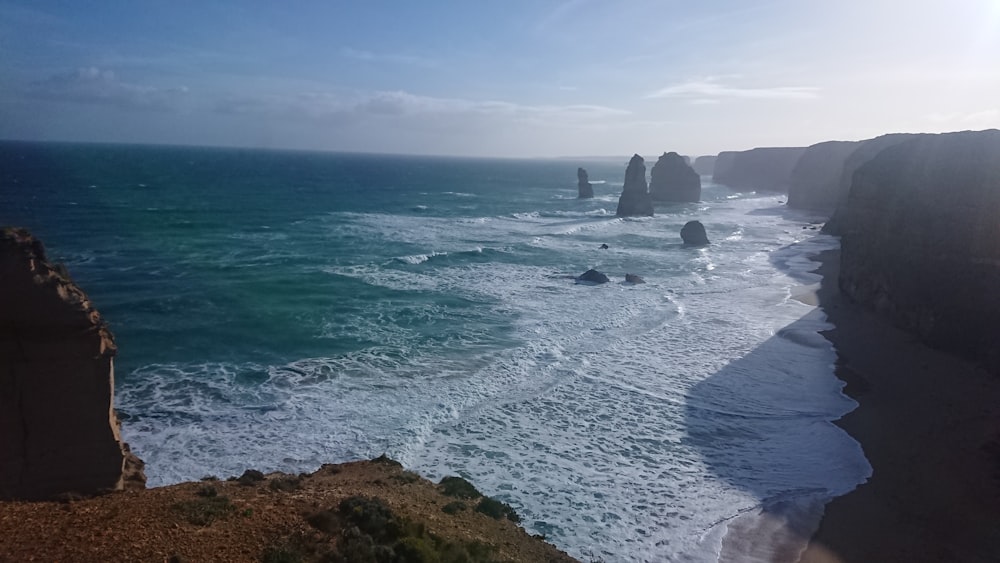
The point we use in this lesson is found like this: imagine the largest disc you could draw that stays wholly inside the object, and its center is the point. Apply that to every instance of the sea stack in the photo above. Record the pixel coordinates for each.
(58, 430)
(693, 234)
(704, 165)
(673, 180)
(583, 184)
(635, 200)
(921, 242)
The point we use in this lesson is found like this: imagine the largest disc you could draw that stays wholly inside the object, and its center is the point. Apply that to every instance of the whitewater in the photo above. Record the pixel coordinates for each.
(283, 310)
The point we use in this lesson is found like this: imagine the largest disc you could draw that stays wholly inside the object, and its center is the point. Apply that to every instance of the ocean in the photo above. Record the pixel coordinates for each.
(280, 310)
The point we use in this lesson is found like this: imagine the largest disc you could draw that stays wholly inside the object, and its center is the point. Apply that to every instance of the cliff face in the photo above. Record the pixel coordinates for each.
(672, 179)
(816, 178)
(762, 169)
(921, 240)
(58, 430)
(704, 165)
(584, 189)
(635, 200)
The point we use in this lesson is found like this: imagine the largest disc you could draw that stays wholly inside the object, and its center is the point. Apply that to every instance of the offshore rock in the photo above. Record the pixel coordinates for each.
(635, 200)
(816, 177)
(633, 278)
(762, 169)
(593, 276)
(693, 234)
(866, 151)
(584, 189)
(921, 242)
(58, 431)
(673, 180)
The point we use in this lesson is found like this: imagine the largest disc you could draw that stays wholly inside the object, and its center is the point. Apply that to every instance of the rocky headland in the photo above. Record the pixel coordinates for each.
(673, 180)
(817, 176)
(584, 189)
(761, 169)
(635, 200)
(704, 165)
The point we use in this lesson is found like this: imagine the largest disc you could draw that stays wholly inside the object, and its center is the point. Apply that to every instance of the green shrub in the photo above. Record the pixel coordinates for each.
(454, 507)
(285, 484)
(205, 510)
(497, 510)
(459, 487)
(250, 477)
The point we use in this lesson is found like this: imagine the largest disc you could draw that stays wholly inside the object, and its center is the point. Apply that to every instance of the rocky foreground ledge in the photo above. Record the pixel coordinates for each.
(361, 511)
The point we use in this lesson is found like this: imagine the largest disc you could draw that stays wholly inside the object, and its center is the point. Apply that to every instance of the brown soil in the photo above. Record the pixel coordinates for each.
(148, 525)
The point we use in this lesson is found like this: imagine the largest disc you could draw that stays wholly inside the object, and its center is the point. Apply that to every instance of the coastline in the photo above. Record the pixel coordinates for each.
(925, 420)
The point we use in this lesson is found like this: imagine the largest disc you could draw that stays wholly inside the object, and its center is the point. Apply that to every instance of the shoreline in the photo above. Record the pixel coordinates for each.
(926, 421)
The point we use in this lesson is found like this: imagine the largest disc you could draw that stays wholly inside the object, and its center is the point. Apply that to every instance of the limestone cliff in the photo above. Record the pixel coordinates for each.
(58, 430)
(865, 152)
(673, 180)
(704, 165)
(584, 189)
(635, 200)
(762, 169)
(815, 182)
(921, 240)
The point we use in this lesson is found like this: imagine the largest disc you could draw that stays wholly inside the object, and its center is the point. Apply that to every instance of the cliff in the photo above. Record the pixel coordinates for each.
(761, 169)
(58, 430)
(673, 180)
(584, 189)
(921, 240)
(704, 165)
(635, 200)
(816, 178)
(865, 152)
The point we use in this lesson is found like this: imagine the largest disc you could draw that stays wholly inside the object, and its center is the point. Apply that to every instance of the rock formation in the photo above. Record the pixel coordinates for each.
(865, 152)
(762, 169)
(583, 186)
(673, 180)
(816, 177)
(704, 165)
(921, 240)
(693, 234)
(58, 430)
(635, 198)
(634, 278)
(593, 276)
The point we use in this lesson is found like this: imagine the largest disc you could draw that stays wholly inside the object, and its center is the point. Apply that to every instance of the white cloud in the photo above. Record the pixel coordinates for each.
(95, 86)
(392, 58)
(711, 89)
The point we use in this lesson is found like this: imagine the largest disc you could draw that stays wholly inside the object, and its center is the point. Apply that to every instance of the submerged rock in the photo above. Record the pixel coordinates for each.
(593, 276)
(635, 200)
(58, 430)
(673, 180)
(584, 189)
(693, 234)
(633, 278)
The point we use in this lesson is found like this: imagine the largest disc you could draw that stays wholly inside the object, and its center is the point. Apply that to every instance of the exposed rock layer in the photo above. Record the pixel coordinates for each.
(58, 430)
(584, 189)
(673, 180)
(635, 200)
(921, 242)
(761, 169)
(816, 178)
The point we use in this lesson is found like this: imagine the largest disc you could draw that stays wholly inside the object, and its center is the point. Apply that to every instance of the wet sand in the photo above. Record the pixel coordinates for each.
(929, 424)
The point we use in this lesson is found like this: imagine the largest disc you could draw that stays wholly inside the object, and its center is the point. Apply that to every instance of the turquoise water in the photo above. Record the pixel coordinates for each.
(280, 310)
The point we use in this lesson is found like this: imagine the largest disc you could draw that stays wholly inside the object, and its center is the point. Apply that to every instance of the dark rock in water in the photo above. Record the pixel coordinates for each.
(593, 276)
(633, 278)
(865, 152)
(815, 182)
(704, 165)
(693, 234)
(58, 431)
(605, 247)
(766, 169)
(635, 200)
(584, 189)
(921, 242)
(674, 180)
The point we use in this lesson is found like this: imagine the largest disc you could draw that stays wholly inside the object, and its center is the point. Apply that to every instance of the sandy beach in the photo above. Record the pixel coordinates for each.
(929, 424)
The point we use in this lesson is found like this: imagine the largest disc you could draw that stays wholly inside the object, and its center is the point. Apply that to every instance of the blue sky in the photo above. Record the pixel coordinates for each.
(496, 78)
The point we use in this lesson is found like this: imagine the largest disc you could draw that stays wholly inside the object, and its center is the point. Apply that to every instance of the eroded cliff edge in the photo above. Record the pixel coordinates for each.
(921, 240)
(58, 429)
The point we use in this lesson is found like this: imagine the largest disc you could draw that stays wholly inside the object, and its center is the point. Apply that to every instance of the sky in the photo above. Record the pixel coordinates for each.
(508, 78)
